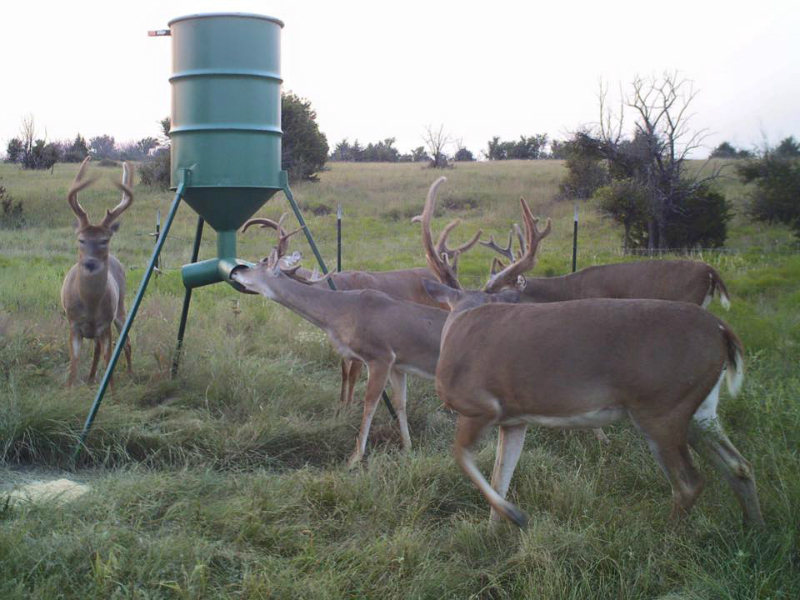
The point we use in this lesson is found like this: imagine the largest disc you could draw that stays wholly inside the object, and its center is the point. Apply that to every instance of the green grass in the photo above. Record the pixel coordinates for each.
(230, 482)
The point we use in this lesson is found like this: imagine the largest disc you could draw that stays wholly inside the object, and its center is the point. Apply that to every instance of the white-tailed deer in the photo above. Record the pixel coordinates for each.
(403, 284)
(677, 280)
(392, 337)
(587, 363)
(93, 293)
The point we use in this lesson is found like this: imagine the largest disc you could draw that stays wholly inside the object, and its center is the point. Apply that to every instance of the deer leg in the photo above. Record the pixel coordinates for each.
(355, 371)
(710, 442)
(399, 388)
(346, 365)
(74, 352)
(510, 442)
(378, 375)
(601, 436)
(95, 360)
(106, 340)
(469, 430)
(685, 480)
(118, 323)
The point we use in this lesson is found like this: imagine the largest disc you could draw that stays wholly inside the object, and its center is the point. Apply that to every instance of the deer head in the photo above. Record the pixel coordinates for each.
(93, 240)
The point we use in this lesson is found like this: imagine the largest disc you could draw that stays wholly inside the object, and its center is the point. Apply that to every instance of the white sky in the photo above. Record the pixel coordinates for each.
(376, 69)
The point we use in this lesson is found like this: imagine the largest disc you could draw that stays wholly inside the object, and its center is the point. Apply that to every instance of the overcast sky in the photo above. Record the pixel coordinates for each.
(376, 69)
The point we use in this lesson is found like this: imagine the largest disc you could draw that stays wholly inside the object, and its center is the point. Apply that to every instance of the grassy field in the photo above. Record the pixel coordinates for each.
(230, 480)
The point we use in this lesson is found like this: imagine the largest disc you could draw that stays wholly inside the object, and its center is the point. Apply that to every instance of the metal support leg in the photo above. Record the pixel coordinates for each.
(123, 335)
(187, 298)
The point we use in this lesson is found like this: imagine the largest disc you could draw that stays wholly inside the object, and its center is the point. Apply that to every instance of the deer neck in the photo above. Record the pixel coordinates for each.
(92, 285)
(317, 305)
(549, 289)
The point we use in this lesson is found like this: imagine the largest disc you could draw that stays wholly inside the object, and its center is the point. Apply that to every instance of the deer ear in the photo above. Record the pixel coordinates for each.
(442, 293)
(114, 227)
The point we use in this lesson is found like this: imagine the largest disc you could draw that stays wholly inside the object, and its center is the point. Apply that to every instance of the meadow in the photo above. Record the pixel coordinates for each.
(229, 481)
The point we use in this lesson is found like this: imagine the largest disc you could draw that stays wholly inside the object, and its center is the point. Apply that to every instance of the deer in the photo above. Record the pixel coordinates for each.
(93, 292)
(587, 363)
(678, 280)
(393, 337)
(403, 284)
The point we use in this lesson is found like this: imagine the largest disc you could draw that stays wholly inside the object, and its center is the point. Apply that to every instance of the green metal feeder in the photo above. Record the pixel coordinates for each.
(225, 146)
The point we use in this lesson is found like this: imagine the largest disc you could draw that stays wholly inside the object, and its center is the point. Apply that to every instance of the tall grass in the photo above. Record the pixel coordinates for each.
(229, 481)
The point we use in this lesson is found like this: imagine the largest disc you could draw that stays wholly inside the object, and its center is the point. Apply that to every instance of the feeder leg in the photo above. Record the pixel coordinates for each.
(310, 238)
(123, 335)
(187, 298)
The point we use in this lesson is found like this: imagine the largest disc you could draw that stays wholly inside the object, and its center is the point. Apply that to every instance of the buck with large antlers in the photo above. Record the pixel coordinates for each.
(93, 293)
(678, 280)
(403, 284)
(392, 337)
(587, 363)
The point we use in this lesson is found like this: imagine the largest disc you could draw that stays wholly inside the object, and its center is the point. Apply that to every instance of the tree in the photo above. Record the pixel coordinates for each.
(788, 148)
(14, 151)
(419, 154)
(436, 141)
(305, 147)
(726, 150)
(463, 155)
(103, 146)
(775, 196)
(626, 202)
(77, 150)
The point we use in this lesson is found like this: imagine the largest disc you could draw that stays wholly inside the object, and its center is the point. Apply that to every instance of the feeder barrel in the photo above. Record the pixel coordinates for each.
(226, 113)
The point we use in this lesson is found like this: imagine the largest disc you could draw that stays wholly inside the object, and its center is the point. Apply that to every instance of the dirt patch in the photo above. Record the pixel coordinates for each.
(21, 487)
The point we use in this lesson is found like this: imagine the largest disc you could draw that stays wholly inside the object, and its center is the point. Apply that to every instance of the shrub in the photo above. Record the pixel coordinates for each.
(11, 216)
(305, 147)
(776, 196)
(155, 171)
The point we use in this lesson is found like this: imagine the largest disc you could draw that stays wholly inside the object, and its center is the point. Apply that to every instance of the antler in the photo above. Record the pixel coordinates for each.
(127, 196)
(72, 195)
(491, 244)
(533, 237)
(283, 237)
(453, 253)
(444, 271)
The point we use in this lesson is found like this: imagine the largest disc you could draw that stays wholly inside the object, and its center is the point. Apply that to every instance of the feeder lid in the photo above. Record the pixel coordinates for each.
(225, 14)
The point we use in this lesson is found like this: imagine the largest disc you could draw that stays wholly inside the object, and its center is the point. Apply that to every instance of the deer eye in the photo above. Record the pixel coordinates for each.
(81, 241)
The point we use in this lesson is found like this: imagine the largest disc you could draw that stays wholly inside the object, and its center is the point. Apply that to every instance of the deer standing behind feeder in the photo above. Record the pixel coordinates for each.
(93, 292)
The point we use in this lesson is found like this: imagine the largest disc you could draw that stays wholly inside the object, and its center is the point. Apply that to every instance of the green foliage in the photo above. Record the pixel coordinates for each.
(463, 155)
(103, 146)
(11, 217)
(14, 150)
(788, 148)
(701, 220)
(76, 151)
(626, 202)
(776, 193)
(305, 147)
(527, 148)
(155, 171)
(383, 151)
(726, 150)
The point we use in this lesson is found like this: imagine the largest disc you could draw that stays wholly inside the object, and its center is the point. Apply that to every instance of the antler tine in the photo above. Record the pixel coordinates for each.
(72, 195)
(520, 239)
(509, 275)
(492, 245)
(127, 195)
(441, 242)
(497, 266)
(444, 272)
(283, 237)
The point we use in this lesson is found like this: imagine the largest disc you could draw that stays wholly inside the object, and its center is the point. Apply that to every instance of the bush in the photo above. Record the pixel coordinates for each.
(305, 147)
(155, 171)
(11, 215)
(626, 202)
(776, 197)
(463, 155)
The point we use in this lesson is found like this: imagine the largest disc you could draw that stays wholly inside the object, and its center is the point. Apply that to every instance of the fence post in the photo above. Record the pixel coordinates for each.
(575, 239)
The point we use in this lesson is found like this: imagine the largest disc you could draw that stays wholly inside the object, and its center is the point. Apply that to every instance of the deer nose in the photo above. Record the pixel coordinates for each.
(91, 264)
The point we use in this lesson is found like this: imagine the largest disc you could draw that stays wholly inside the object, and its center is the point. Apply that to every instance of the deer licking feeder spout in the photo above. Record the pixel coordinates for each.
(225, 147)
